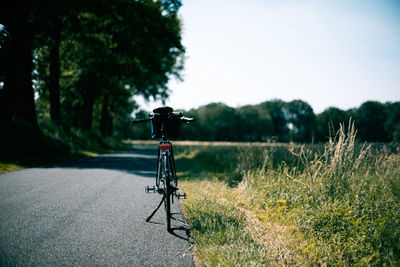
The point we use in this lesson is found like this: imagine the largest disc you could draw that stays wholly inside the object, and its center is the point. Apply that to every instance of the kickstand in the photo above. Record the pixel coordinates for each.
(154, 212)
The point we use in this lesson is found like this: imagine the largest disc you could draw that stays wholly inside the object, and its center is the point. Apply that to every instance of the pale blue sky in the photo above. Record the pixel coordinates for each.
(328, 53)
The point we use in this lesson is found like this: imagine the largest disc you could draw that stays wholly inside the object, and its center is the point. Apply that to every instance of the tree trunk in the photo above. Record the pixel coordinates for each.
(87, 110)
(7, 99)
(106, 119)
(54, 84)
(18, 83)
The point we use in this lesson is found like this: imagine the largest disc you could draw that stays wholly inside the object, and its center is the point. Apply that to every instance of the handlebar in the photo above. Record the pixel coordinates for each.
(140, 121)
(171, 115)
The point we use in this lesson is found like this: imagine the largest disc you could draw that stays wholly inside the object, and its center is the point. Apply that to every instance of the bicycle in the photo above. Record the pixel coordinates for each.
(165, 125)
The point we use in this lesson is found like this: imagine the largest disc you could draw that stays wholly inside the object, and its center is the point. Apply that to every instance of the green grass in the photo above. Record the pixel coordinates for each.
(218, 229)
(22, 146)
(337, 204)
(8, 167)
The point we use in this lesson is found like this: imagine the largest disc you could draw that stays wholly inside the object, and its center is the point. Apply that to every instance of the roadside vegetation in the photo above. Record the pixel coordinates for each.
(23, 147)
(333, 204)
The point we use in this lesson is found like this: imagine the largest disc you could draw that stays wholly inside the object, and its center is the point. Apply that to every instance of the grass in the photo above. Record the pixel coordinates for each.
(219, 229)
(337, 204)
(22, 146)
(8, 167)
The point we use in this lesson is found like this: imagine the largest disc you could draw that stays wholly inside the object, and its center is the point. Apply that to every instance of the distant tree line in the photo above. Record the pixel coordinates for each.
(281, 121)
(78, 63)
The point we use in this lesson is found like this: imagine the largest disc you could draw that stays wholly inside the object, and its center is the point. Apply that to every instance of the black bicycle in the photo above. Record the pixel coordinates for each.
(165, 125)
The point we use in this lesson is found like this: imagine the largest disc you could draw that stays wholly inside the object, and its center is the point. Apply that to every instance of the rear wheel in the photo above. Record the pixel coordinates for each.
(167, 201)
(167, 192)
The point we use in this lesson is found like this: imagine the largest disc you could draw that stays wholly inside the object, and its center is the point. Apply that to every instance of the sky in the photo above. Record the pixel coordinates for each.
(337, 53)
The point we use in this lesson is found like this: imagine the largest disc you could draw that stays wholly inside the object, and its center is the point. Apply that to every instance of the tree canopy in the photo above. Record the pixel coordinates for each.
(88, 59)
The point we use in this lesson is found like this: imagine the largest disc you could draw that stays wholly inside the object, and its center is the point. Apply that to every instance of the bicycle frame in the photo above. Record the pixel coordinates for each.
(166, 180)
(165, 151)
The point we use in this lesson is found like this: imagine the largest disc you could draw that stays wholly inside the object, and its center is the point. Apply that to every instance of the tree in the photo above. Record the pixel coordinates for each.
(50, 22)
(193, 131)
(17, 97)
(141, 131)
(25, 23)
(392, 123)
(215, 122)
(254, 124)
(5, 110)
(301, 118)
(108, 52)
(275, 108)
(146, 64)
(55, 72)
(328, 122)
(370, 120)
(396, 133)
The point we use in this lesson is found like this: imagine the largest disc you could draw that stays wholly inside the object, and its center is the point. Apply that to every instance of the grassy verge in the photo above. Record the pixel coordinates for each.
(333, 205)
(220, 230)
(22, 146)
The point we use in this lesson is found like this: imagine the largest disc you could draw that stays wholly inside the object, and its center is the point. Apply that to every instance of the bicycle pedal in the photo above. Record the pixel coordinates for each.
(149, 189)
(181, 195)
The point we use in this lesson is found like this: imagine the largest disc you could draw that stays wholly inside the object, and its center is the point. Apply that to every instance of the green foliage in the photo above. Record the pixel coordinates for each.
(396, 133)
(392, 123)
(255, 123)
(370, 120)
(275, 108)
(328, 122)
(89, 59)
(140, 131)
(295, 121)
(112, 67)
(77, 140)
(219, 122)
(300, 116)
(23, 146)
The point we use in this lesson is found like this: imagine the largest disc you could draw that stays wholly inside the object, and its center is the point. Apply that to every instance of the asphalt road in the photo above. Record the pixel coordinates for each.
(89, 212)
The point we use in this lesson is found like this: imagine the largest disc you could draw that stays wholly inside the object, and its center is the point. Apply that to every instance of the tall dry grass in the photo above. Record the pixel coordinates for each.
(335, 204)
(342, 205)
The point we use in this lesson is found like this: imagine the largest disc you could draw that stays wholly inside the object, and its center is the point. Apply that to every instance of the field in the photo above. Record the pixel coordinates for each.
(332, 204)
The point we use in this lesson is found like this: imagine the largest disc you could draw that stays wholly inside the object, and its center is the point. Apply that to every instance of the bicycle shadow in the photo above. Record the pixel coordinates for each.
(178, 228)
(175, 232)
(181, 231)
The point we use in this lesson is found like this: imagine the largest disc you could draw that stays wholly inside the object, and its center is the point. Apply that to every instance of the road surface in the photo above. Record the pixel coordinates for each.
(89, 212)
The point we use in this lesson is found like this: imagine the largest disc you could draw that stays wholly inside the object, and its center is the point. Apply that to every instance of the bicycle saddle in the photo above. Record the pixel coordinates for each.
(163, 110)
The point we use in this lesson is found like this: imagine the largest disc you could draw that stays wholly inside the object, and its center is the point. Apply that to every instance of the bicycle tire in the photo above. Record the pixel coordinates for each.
(173, 169)
(172, 178)
(167, 193)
